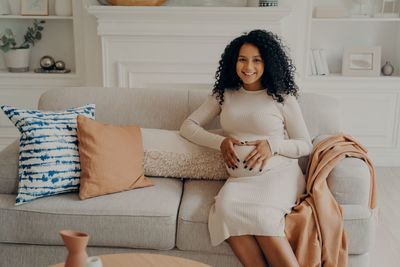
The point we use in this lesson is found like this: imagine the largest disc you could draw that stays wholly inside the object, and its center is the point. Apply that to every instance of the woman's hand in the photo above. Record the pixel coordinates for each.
(259, 156)
(228, 152)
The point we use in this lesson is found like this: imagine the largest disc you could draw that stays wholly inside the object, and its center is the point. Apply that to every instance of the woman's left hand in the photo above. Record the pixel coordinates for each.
(259, 156)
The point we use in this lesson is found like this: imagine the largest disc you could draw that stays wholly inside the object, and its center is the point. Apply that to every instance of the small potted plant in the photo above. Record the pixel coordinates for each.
(17, 55)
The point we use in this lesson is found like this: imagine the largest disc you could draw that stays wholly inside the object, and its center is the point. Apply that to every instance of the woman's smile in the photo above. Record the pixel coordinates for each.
(250, 67)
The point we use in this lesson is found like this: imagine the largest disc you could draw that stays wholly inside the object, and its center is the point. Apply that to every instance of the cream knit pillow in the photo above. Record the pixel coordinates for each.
(168, 154)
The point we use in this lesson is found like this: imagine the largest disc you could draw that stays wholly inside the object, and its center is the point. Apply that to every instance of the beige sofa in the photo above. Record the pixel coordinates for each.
(170, 217)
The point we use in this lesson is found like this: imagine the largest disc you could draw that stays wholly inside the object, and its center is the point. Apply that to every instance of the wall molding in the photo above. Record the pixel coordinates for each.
(141, 74)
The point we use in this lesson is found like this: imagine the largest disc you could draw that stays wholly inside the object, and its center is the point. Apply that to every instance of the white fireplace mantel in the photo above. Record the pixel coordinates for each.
(145, 46)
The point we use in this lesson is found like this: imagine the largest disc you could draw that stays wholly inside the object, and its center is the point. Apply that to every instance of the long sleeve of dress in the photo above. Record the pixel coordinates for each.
(192, 128)
(298, 143)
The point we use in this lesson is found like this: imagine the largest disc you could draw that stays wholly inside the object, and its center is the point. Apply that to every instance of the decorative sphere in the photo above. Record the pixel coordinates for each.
(47, 62)
(60, 65)
(387, 69)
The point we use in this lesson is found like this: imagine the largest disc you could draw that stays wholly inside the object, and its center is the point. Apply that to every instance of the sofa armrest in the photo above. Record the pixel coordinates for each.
(349, 181)
(9, 168)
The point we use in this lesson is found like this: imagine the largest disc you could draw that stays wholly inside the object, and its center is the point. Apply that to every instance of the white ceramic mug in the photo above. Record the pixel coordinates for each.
(94, 262)
(63, 7)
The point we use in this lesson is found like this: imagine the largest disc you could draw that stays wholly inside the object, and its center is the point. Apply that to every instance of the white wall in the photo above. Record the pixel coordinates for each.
(92, 47)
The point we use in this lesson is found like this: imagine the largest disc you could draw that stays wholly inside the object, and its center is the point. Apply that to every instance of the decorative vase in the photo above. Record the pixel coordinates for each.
(387, 69)
(76, 243)
(63, 7)
(17, 60)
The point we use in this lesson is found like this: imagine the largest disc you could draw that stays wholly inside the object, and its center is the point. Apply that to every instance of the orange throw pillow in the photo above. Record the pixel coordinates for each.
(111, 158)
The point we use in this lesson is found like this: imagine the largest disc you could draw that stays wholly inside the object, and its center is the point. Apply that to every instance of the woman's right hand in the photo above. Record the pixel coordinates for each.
(228, 152)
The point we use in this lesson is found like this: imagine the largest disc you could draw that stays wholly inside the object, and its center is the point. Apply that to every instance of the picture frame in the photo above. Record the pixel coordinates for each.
(361, 61)
(35, 7)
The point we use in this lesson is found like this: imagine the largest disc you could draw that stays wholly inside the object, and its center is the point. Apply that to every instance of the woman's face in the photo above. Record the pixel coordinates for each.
(250, 67)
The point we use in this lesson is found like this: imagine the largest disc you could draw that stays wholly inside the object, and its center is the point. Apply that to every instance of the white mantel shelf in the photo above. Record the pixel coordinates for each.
(190, 13)
(158, 20)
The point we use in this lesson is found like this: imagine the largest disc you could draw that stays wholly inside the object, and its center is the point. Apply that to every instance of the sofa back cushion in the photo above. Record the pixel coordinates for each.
(156, 108)
(167, 108)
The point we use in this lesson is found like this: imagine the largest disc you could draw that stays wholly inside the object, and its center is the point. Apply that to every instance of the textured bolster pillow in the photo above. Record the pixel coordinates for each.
(168, 154)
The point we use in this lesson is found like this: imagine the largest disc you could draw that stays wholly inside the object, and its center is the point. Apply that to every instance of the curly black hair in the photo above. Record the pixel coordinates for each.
(278, 76)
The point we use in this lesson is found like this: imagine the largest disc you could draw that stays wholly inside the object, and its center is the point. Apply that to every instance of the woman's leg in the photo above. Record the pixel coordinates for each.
(278, 251)
(247, 250)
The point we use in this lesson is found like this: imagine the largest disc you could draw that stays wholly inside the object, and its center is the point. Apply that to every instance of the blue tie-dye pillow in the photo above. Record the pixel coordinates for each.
(48, 156)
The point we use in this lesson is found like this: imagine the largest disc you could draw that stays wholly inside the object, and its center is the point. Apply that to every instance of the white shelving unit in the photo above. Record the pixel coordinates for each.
(370, 105)
(60, 39)
(334, 34)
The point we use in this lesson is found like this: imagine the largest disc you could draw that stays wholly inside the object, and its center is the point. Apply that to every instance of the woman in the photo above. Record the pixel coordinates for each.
(264, 135)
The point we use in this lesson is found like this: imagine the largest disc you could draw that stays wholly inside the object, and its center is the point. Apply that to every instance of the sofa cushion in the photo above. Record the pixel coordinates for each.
(48, 151)
(198, 197)
(321, 114)
(193, 234)
(141, 218)
(111, 158)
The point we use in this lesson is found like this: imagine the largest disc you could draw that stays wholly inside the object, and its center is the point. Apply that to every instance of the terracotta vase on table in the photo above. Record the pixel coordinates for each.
(76, 243)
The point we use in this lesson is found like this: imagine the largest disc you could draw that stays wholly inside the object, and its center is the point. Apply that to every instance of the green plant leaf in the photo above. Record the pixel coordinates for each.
(33, 34)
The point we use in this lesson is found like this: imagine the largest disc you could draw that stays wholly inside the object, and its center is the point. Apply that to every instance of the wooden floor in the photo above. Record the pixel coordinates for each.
(386, 252)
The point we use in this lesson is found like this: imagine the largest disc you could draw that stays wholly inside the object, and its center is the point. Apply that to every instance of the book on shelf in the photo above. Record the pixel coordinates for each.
(319, 60)
(324, 61)
(313, 69)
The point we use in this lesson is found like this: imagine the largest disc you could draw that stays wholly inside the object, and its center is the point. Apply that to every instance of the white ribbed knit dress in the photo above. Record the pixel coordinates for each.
(253, 202)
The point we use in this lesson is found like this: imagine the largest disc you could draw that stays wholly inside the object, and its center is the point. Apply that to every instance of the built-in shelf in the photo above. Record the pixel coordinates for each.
(39, 79)
(4, 73)
(34, 17)
(61, 39)
(340, 77)
(368, 19)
